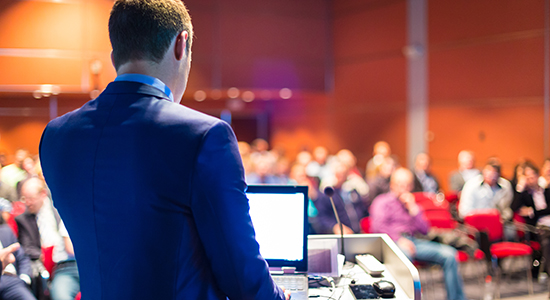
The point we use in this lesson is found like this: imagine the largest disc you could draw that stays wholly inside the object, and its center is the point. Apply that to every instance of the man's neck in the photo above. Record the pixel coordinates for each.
(142, 67)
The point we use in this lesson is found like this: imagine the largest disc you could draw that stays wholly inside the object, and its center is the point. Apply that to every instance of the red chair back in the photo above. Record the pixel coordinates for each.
(440, 219)
(429, 201)
(365, 224)
(489, 221)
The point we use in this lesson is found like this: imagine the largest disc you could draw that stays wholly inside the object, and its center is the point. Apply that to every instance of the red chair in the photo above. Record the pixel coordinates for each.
(365, 224)
(489, 221)
(431, 201)
(48, 259)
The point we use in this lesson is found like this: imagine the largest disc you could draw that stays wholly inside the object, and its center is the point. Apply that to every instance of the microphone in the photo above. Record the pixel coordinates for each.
(329, 192)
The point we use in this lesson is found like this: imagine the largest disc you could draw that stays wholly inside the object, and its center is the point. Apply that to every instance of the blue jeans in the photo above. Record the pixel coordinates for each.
(445, 256)
(66, 282)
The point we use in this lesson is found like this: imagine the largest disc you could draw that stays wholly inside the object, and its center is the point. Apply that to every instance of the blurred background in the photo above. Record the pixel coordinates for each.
(437, 76)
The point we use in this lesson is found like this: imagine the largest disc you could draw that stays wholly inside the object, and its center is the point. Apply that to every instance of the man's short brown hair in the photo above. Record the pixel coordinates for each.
(144, 29)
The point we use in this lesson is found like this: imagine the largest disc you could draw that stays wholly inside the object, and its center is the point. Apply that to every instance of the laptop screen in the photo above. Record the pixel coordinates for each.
(279, 216)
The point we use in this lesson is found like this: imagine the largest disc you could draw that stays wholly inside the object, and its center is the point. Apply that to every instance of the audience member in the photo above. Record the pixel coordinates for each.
(244, 151)
(298, 176)
(424, 180)
(40, 226)
(6, 190)
(487, 191)
(532, 202)
(260, 151)
(380, 150)
(518, 173)
(380, 184)
(347, 158)
(16, 276)
(466, 171)
(12, 174)
(397, 214)
(303, 158)
(263, 172)
(544, 178)
(281, 171)
(350, 199)
(319, 167)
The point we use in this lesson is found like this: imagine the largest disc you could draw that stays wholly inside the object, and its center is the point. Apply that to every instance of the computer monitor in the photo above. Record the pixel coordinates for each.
(279, 216)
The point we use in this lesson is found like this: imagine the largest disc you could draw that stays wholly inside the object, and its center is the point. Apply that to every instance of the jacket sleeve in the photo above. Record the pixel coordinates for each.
(221, 212)
(22, 261)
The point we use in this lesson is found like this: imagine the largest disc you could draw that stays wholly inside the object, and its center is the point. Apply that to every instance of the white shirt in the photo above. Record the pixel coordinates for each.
(477, 195)
(50, 231)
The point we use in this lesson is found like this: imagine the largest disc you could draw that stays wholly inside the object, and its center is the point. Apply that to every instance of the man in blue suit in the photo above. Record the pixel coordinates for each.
(152, 192)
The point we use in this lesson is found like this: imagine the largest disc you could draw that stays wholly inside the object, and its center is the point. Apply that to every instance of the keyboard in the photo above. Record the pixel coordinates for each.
(292, 282)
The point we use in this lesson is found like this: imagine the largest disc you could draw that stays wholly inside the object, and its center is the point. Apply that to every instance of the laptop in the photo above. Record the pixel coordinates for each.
(279, 216)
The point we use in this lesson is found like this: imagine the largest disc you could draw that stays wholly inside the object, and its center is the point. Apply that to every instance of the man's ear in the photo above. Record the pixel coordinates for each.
(112, 58)
(181, 43)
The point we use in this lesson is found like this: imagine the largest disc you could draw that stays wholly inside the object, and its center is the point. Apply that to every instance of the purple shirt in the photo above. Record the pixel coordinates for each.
(388, 215)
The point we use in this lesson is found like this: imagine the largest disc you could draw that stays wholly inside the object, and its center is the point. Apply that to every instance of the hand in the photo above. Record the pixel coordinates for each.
(6, 254)
(287, 293)
(520, 186)
(346, 229)
(525, 211)
(410, 203)
(407, 246)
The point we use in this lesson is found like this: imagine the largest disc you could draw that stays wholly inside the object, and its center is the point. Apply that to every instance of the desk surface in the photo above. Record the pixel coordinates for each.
(351, 272)
(397, 268)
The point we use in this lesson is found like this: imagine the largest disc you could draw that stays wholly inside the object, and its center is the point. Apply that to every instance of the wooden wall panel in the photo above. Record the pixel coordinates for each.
(36, 71)
(509, 132)
(367, 32)
(370, 76)
(452, 21)
(490, 70)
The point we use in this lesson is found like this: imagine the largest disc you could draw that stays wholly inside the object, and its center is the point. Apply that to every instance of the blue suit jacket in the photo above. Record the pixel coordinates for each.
(152, 194)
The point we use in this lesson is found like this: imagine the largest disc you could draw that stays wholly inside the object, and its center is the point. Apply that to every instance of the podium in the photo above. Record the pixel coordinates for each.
(398, 268)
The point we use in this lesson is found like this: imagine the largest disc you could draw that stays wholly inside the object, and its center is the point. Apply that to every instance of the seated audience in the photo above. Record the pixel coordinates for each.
(320, 167)
(466, 171)
(263, 172)
(7, 191)
(40, 226)
(397, 214)
(487, 191)
(424, 180)
(380, 150)
(12, 174)
(16, 278)
(350, 199)
(380, 184)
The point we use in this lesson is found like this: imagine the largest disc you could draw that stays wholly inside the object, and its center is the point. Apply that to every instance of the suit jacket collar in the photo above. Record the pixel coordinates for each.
(132, 87)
